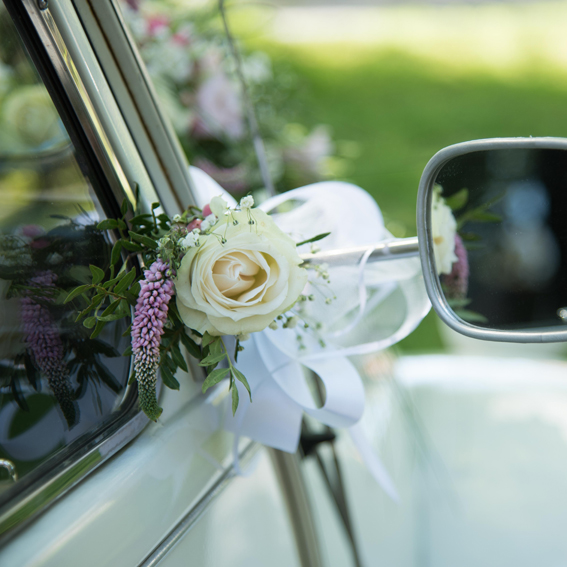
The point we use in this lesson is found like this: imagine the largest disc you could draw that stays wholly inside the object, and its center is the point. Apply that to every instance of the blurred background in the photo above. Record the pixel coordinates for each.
(362, 91)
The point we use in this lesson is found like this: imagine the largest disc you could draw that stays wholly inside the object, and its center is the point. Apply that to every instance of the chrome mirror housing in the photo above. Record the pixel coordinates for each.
(493, 238)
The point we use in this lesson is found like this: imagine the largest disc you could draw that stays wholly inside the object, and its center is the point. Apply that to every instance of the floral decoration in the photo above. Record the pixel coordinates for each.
(210, 273)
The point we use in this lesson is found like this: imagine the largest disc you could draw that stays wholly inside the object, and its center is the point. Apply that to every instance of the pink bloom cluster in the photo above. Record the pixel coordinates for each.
(457, 282)
(44, 342)
(149, 319)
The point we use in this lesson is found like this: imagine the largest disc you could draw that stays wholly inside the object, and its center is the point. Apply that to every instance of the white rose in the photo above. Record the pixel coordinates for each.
(240, 286)
(444, 229)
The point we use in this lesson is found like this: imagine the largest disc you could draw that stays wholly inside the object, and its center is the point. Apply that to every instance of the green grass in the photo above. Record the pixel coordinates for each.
(401, 108)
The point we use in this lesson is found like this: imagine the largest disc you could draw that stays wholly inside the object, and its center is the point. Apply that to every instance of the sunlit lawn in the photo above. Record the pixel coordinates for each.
(402, 102)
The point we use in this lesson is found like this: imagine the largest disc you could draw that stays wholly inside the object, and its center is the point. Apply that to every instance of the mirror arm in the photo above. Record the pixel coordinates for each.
(382, 251)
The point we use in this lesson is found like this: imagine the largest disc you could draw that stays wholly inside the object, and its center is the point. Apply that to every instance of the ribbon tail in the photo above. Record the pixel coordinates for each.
(373, 462)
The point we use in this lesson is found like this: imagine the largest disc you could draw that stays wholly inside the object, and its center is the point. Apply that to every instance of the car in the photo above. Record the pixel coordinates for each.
(86, 479)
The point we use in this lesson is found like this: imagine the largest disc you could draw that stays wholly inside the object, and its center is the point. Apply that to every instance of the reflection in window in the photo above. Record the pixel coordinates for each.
(56, 383)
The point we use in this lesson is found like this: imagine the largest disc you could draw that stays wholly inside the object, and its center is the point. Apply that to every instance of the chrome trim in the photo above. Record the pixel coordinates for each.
(177, 533)
(382, 251)
(10, 467)
(432, 283)
(48, 482)
(296, 492)
(30, 501)
(62, 62)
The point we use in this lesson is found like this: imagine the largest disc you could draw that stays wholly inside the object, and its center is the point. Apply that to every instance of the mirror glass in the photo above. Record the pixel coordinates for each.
(499, 229)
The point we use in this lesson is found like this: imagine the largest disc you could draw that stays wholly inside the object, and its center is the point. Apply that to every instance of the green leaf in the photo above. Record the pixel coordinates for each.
(208, 339)
(214, 378)
(458, 200)
(239, 376)
(135, 289)
(113, 317)
(314, 239)
(155, 206)
(141, 219)
(127, 352)
(126, 281)
(124, 207)
(89, 322)
(215, 348)
(470, 316)
(110, 224)
(212, 359)
(145, 240)
(191, 346)
(77, 291)
(484, 216)
(115, 254)
(131, 246)
(168, 379)
(132, 378)
(178, 358)
(457, 303)
(111, 308)
(168, 361)
(99, 327)
(234, 399)
(97, 273)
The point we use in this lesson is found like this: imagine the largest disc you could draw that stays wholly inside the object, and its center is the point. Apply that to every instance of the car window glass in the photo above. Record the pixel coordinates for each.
(57, 385)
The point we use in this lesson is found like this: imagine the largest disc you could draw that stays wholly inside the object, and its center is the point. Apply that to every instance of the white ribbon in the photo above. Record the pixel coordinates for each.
(376, 305)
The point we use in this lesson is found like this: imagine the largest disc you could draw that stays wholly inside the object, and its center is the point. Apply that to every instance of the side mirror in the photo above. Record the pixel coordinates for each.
(492, 228)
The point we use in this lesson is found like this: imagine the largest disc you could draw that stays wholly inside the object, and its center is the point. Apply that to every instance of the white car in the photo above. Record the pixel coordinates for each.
(86, 479)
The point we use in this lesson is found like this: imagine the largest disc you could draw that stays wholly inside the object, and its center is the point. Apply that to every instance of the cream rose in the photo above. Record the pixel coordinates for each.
(444, 229)
(240, 286)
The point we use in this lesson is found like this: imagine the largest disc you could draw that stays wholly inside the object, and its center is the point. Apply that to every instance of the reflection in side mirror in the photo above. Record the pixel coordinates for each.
(493, 238)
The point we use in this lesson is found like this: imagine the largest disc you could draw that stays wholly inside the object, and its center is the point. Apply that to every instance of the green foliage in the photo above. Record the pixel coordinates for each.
(313, 239)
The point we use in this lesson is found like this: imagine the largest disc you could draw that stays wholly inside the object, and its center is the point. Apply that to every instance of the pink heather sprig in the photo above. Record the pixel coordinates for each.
(44, 343)
(149, 319)
(457, 282)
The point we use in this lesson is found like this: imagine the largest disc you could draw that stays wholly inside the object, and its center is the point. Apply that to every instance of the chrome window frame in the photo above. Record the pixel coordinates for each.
(425, 238)
(42, 487)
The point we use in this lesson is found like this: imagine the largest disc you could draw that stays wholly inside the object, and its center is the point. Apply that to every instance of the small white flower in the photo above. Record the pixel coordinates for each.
(54, 258)
(209, 222)
(190, 240)
(176, 218)
(196, 231)
(444, 228)
(247, 202)
(243, 337)
(315, 249)
(273, 325)
(291, 323)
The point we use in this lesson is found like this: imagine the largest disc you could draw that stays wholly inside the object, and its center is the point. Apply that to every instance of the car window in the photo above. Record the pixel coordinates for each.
(58, 385)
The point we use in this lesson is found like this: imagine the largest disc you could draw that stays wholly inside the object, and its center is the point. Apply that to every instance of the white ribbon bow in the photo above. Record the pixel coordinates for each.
(376, 305)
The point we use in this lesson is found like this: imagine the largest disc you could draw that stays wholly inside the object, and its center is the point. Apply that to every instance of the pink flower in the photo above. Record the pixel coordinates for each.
(457, 282)
(147, 328)
(207, 210)
(39, 243)
(45, 346)
(31, 230)
(195, 223)
(220, 107)
(157, 24)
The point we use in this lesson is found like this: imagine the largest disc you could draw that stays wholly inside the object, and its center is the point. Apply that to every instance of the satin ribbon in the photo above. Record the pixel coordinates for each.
(377, 305)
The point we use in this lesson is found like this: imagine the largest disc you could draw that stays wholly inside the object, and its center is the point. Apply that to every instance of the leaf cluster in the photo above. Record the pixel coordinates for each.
(215, 352)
